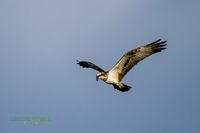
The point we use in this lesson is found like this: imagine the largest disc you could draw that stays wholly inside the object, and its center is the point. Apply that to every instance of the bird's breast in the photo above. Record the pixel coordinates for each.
(112, 78)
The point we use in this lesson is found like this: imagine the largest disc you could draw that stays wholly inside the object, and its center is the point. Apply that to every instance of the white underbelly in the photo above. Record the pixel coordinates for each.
(112, 78)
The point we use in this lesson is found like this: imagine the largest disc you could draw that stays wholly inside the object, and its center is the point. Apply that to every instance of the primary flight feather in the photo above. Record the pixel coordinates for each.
(122, 67)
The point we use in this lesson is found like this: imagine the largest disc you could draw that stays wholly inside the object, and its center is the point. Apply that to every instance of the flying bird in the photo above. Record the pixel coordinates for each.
(123, 66)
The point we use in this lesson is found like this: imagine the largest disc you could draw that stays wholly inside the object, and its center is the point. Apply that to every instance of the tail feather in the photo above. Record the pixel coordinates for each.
(124, 88)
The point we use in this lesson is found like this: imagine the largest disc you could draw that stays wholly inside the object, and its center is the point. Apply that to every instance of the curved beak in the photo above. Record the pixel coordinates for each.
(97, 78)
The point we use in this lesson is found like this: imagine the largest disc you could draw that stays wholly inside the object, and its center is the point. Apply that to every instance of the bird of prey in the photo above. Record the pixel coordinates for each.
(121, 68)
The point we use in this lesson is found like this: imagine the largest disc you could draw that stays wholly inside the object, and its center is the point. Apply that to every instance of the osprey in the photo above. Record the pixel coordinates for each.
(122, 67)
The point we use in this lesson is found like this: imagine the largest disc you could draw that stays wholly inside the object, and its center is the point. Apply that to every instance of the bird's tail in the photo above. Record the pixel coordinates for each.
(123, 88)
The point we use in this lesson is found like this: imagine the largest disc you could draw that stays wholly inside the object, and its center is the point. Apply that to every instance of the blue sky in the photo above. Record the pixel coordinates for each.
(40, 41)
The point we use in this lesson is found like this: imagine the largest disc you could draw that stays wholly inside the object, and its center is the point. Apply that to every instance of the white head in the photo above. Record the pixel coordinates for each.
(102, 76)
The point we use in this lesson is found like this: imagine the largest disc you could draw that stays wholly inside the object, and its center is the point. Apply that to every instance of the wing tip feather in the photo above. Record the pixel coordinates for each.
(82, 63)
(158, 46)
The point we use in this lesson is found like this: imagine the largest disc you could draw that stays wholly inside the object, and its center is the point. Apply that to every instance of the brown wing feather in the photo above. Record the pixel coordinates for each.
(134, 56)
(87, 64)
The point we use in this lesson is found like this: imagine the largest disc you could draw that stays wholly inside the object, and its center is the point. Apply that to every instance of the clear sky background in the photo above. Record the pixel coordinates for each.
(40, 41)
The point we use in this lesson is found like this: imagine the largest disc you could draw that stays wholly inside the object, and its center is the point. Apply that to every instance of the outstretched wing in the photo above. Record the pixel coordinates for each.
(134, 56)
(87, 64)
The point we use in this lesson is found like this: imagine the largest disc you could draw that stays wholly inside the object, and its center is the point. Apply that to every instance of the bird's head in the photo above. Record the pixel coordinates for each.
(101, 75)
